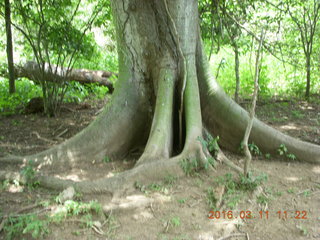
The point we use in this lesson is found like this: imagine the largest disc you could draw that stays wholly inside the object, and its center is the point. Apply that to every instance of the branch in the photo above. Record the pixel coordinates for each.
(252, 111)
(258, 39)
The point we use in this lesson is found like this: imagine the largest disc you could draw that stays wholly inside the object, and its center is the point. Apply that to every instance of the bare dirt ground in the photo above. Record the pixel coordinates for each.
(286, 206)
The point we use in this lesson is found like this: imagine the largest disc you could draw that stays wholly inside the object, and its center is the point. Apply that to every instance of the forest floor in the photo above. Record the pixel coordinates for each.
(285, 206)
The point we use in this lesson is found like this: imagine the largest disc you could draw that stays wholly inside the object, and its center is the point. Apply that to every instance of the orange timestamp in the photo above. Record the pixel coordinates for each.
(246, 214)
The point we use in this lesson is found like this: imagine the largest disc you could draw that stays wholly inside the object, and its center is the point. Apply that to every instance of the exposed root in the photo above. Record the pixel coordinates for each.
(148, 172)
(113, 133)
(122, 182)
(223, 158)
(197, 152)
(160, 139)
(226, 119)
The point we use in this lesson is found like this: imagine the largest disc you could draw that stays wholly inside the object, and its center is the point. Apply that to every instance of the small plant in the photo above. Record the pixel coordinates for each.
(262, 199)
(190, 166)
(253, 148)
(291, 190)
(235, 188)
(306, 193)
(211, 199)
(303, 230)
(267, 155)
(26, 223)
(175, 221)
(170, 180)
(291, 156)
(5, 185)
(140, 186)
(155, 187)
(297, 114)
(283, 151)
(30, 175)
(75, 208)
(106, 159)
(182, 200)
(250, 183)
(210, 144)
(278, 193)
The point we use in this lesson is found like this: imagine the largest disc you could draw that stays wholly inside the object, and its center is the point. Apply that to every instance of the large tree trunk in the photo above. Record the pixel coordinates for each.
(9, 46)
(165, 94)
(31, 70)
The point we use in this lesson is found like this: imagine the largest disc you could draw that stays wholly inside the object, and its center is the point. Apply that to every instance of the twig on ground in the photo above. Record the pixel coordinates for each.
(63, 132)
(42, 138)
(234, 236)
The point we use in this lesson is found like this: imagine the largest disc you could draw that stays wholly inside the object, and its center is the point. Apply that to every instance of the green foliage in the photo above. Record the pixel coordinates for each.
(20, 225)
(175, 221)
(182, 200)
(77, 92)
(250, 183)
(170, 180)
(303, 230)
(297, 114)
(253, 148)
(11, 103)
(235, 188)
(106, 159)
(23, 224)
(210, 144)
(77, 208)
(190, 166)
(30, 175)
(26, 90)
(56, 34)
(276, 78)
(162, 187)
(263, 199)
(283, 151)
(211, 199)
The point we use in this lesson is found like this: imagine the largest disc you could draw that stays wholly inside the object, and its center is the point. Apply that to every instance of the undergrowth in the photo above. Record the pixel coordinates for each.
(26, 90)
(235, 189)
(37, 225)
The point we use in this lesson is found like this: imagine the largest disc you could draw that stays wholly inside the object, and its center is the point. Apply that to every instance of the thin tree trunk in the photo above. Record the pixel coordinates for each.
(236, 69)
(9, 47)
(308, 69)
(247, 152)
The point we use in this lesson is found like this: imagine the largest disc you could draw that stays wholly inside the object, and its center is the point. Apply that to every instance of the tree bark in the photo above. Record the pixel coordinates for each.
(236, 70)
(308, 71)
(9, 47)
(30, 70)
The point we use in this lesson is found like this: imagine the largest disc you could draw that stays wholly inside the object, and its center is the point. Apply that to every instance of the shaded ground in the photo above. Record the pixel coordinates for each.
(178, 208)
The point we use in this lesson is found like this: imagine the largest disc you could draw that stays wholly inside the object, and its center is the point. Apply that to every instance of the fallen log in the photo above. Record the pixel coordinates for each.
(32, 71)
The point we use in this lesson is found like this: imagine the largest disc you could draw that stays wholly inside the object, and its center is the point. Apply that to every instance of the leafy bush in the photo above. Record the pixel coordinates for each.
(25, 90)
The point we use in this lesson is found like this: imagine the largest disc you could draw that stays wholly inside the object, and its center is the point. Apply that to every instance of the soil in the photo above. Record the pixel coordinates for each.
(286, 206)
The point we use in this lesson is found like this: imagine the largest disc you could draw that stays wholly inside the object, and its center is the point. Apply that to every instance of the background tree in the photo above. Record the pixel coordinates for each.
(304, 16)
(9, 46)
(56, 34)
